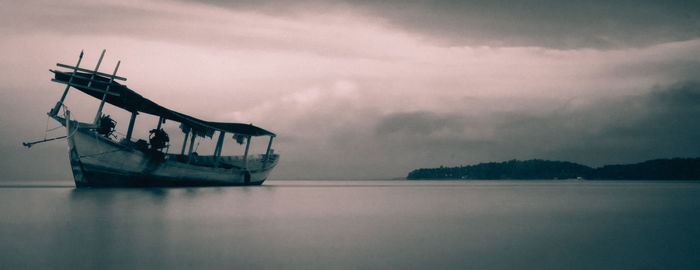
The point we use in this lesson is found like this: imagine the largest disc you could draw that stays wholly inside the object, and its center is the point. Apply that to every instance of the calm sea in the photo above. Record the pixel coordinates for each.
(354, 225)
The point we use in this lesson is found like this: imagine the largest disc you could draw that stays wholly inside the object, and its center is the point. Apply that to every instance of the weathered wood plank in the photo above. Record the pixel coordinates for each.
(92, 71)
(89, 88)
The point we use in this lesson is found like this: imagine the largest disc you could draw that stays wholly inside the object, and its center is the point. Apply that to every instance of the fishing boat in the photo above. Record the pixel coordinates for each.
(98, 158)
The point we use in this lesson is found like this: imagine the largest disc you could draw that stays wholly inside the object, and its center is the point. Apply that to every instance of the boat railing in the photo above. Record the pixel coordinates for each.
(254, 162)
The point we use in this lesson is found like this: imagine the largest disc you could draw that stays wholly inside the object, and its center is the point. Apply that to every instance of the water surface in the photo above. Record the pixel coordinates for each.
(354, 225)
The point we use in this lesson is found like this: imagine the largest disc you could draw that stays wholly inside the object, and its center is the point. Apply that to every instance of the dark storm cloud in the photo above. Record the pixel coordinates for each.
(684, 69)
(420, 123)
(662, 123)
(544, 23)
(71, 18)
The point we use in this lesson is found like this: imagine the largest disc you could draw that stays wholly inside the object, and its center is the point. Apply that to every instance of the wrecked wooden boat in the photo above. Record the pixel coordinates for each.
(99, 159)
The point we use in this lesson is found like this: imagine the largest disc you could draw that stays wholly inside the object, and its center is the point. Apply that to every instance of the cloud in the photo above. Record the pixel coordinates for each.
(342, 137)
(664, 122)
(550, 23)
(419, 123)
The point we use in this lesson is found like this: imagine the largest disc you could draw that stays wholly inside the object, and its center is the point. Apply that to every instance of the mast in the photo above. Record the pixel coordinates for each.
(54, 111)
(104, 95)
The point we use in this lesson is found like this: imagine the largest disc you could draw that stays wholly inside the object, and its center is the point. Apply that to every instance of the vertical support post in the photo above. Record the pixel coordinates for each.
(131, 127)
(65, 92)
(245, 156)
(68, 127)
(104, 95)
(217, 149)
(189, 152)
(184, 143)
(267, 152)
(160, 121)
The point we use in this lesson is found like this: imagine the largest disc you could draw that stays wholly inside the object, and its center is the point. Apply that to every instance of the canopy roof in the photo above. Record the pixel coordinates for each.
(121, 96)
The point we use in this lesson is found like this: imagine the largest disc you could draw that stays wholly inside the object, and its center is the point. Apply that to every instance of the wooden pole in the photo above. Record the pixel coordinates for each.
(184, 143)
(131, 127)
(217, 149)
(104, 95)
(245, 156)
(92, 77)
(68, 123)
(267, 153)
(160, 121)
(189, 152)
(219, 143)
(65, 92)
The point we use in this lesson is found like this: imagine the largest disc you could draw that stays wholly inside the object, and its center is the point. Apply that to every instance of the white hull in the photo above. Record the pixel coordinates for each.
(99, 161)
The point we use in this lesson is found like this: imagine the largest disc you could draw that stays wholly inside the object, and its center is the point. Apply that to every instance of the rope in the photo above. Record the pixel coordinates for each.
(54, 128)
(46, 130)
(70, 135)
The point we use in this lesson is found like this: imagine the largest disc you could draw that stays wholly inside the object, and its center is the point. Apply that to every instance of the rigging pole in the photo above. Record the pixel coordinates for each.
(54, 111)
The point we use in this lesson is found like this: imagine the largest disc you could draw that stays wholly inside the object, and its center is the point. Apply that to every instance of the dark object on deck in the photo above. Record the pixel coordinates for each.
(141, 145)
(158, 139)
(107, 126)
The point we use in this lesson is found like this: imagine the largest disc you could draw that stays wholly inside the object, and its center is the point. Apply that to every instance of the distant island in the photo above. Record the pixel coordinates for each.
(659, 169)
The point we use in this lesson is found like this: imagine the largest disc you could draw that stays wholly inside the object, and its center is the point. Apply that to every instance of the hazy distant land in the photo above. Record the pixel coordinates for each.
(659, 169)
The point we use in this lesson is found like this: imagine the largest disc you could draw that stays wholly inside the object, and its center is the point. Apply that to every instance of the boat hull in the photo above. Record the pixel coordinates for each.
(97, 161)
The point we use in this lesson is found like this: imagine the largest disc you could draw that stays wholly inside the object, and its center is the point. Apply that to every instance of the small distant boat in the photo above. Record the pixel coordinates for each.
(98, 159)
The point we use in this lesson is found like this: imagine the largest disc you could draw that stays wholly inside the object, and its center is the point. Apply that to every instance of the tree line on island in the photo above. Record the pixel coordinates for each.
(659, 169)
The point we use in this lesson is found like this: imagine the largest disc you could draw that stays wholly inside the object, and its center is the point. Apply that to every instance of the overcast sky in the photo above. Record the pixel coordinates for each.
(372, 89)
